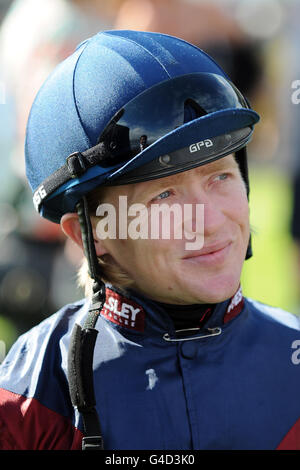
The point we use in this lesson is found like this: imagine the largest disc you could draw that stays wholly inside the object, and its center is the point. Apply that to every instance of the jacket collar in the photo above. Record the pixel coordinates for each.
(137, 314)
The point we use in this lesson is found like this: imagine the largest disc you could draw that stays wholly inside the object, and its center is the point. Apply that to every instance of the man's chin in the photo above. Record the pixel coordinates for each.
(212, 292)
(189, 289)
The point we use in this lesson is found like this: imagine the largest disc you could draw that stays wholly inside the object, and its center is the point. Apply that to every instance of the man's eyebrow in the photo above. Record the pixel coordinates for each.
(218, 165)
(142, 191)
(157, 185)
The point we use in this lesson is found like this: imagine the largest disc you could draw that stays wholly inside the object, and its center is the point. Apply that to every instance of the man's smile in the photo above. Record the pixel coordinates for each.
(210, 255)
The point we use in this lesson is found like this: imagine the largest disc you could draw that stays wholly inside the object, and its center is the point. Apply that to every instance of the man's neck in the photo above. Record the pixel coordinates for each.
(188, 316)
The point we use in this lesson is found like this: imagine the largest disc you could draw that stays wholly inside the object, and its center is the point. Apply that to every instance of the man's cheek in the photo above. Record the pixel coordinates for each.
(240, 208)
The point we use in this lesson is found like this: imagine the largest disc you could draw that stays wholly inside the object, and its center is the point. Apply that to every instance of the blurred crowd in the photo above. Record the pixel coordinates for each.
(256, 41)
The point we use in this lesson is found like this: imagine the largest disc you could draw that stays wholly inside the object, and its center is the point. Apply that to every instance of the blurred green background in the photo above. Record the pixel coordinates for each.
(271, 275)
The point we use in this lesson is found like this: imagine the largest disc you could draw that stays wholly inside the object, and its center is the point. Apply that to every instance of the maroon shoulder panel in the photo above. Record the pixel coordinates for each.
(26, 424)
(291, 441)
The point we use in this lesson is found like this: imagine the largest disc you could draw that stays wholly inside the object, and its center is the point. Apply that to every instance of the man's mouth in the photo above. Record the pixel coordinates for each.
(211, 253)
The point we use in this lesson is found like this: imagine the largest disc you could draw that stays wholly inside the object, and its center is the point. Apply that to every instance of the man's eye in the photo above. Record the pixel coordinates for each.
(162, 195)
(222, 176)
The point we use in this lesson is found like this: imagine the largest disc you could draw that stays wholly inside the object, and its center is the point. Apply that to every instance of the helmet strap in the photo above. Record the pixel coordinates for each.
(81, 350)
(88, 241)
(241, 159)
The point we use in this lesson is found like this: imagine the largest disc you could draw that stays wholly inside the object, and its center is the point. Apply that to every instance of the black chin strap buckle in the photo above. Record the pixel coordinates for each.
(76, 165)
(92, 443)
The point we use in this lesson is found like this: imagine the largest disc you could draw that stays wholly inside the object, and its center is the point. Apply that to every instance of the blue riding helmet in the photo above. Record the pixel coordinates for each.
(129, 106)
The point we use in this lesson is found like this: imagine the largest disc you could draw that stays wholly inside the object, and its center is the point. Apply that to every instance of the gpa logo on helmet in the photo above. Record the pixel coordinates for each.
(203, 143)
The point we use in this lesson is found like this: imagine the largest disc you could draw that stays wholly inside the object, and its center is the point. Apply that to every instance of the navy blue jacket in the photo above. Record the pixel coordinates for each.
(235, 389)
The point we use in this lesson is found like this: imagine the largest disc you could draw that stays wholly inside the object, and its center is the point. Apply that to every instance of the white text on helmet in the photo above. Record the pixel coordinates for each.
(198, 145)
(38, 196)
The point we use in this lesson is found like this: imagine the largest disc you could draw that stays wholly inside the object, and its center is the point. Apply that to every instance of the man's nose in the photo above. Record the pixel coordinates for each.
(214, 217)
(212, 210)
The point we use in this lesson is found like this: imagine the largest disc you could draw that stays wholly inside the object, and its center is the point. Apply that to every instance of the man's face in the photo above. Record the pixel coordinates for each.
(164, 269)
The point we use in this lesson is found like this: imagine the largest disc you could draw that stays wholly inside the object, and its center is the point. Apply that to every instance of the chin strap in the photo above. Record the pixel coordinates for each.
(83, 339)
(241, 158)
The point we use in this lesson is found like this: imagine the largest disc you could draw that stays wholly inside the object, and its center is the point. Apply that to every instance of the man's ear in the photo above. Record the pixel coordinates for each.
(71, 227)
